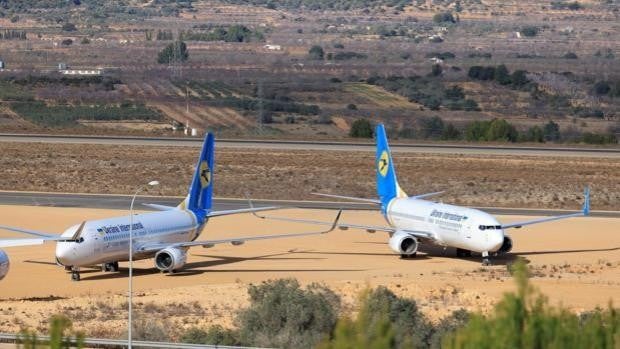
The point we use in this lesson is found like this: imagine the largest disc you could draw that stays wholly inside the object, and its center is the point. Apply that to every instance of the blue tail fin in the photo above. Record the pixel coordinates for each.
(586, 201)
(201, 189)
(387, 184)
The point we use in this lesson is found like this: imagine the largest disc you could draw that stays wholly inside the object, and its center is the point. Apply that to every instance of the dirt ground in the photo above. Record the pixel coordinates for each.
(575, 262)
(483, 180)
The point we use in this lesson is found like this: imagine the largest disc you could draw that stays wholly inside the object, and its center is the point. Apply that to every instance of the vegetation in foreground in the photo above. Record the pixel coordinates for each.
(285, 315)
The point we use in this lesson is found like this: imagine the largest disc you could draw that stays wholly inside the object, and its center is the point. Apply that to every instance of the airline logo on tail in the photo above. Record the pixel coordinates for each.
(383, 165)
(205, 174)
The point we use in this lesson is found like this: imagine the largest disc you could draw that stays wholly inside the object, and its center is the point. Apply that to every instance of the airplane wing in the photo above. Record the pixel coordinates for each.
(345, 226)
(235, 241)
(29, 242)
(373, 201)
(585, 210)
(29, 232)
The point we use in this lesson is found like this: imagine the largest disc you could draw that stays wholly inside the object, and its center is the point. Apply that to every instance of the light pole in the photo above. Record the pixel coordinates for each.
(151, 184)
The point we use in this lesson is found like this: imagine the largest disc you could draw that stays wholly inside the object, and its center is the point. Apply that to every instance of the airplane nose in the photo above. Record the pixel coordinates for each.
(65, 254)
(496, 239)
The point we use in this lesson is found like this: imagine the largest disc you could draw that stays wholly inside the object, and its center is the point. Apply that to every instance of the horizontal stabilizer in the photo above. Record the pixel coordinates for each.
(373, 201)
(422, 196)
(241, 210)
(159, 207)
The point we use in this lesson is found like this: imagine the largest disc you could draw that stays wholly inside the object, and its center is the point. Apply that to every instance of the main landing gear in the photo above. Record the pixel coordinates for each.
(111, 267)
(462, 253)
(407, 256)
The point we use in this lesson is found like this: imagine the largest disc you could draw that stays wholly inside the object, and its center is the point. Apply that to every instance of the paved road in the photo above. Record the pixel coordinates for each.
(307, 145)
(122, 202)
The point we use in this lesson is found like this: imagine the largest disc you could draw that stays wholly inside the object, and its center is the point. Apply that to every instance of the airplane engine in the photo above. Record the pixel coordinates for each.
(506, 245)
(170, 259)
(403, 243)
(4, 264)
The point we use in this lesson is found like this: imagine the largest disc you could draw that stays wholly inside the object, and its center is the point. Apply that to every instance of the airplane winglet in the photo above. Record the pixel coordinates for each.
(586, 201)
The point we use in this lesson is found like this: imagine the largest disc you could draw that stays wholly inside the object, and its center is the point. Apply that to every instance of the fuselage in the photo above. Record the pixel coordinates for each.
(450, 225)
(107, 240)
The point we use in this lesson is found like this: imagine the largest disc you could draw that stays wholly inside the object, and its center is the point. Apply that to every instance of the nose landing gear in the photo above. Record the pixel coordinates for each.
(75, 274)
(486, 261)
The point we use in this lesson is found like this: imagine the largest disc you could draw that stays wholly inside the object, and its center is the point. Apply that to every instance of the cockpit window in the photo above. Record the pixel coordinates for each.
(491, 227)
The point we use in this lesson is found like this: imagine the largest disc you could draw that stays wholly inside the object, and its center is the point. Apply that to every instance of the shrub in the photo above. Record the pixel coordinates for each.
(602, 88)
(436, 70)
(551, 131)
(316, 52)
(501, 130)
(594, 138)
(432, 127)
(351, 106)
(174, 52)
(444, 17)
(502, 76)
(529, 31)
(69, 27)
(570, 55)
(534, 134)
(384, 321)
(215, 335)
(282, 314)
(450, 132)
(66, 42)
(361, 128)
(525, 320)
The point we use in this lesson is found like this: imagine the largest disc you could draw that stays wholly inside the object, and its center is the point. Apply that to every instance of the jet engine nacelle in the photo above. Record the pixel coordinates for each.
(170, 259)
(403, 243)
(506, 245)
(4, 264)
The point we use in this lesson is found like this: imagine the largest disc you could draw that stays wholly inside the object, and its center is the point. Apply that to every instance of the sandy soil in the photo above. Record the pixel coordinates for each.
(575, 262)
(512, 181)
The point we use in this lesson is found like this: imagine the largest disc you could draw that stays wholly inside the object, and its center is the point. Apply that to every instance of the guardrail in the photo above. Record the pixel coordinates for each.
(122, 343)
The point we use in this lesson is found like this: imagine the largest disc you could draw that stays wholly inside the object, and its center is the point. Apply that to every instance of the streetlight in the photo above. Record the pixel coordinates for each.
(150, 184)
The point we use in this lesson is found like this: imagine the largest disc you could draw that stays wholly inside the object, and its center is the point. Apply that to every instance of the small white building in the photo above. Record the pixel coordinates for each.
(273, 47)
(82, 72)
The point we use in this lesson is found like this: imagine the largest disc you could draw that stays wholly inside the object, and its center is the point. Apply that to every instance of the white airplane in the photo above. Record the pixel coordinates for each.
(413, 220)
(164, 235)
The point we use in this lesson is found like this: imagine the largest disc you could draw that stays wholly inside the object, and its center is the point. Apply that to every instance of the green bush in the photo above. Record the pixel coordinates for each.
(530, 31)
(595, 138)
(172, 53)
(214, 335)
(60, 333)
(316, 52)
(361, 128)
(444, 17)
(450, 132)
(551, 131)
(525, 320)
(282, 314)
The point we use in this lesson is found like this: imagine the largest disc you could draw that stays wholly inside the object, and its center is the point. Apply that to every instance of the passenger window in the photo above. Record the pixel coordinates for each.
(482, 227)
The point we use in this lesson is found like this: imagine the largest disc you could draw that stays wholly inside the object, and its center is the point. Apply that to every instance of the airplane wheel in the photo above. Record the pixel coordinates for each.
(462, 253)
(75, 276)
(114, 267)
(486, 262)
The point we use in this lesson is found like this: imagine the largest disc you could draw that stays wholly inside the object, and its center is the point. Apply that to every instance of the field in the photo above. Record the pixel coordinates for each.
(575, 262)
(482, 180)
(263, 83)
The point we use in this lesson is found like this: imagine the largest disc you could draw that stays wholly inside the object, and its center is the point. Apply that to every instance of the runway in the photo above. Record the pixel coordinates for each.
(320, 145)
(119, 202)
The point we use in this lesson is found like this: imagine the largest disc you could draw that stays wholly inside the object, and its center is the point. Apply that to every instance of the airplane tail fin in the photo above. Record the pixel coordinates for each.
(586, 202)
(387, 184)
(201, 188)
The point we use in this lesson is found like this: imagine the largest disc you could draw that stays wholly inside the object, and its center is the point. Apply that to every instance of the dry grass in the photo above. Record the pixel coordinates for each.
(513, 181)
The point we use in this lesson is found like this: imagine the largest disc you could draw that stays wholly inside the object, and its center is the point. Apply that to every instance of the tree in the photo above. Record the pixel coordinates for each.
(535, 134)
(69, 27)
(519, 78)
(602, 88)
(501, 130)
(316, 52)
(530, 31)
(174, 52)
(551, 131)
(361, 128)
(502, 76)
(450, 132)
(215, 335)
(444, 17)
(432, 127)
